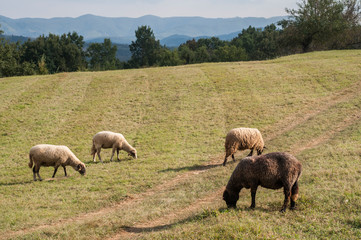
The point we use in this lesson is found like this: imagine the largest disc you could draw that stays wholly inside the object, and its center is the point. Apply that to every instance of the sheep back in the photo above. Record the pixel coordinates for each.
(272, 170)
(243, 138)
(107, 139)
(53, 155)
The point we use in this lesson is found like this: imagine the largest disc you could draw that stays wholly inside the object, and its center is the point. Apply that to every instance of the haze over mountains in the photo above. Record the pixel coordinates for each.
(171, 31)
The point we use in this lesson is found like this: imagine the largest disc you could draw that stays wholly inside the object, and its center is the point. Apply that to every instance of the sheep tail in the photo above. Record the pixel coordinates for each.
(93, 150)
(31, 161)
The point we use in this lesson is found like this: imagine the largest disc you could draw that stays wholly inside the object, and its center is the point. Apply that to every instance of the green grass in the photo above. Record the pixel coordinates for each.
(177, 118)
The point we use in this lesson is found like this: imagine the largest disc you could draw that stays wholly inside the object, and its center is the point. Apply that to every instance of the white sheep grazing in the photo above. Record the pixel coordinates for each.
(53, 155)
(241, 139)
(116, 141)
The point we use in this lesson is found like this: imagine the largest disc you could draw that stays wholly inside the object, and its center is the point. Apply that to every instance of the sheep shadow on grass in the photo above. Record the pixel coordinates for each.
(16, 183)
(195, 167)
(162, 227)
(107, 161)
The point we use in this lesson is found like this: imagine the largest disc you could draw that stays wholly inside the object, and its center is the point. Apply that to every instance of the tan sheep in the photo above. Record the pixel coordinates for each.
(241, 139)
(116, 141)
(272, 170)
(52, 155)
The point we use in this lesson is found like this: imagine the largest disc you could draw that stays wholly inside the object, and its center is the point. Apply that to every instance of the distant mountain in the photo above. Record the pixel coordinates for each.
(121, 30)
(176, 40)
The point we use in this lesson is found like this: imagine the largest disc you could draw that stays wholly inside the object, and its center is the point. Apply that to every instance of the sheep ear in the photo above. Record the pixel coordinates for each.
(79, 167)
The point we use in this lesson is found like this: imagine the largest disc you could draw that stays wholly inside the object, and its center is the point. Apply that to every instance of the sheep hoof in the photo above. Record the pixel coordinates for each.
(292, 208)
(283, 210)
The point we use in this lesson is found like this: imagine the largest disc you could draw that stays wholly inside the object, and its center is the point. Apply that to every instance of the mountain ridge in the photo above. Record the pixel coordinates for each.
(122, 29)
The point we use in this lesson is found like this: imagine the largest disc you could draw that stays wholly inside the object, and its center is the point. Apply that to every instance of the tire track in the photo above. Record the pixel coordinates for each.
(292, 121)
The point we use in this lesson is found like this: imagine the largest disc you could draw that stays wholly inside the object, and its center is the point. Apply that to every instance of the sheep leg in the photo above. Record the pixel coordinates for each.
(294, 195)
(55, 170)
(94, 160)
(36, 170)
(287, 193)
(253, 194)
(118, 154)
(251, 153)
(228, 153)
(225, 161)
(65, 171)
(98, 153)
(113, 151)
(40, 179)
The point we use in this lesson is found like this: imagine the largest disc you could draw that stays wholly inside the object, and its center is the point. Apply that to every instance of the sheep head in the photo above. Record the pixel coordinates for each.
(259, 152)
(133, 153)
(81, 169)
(230, 198)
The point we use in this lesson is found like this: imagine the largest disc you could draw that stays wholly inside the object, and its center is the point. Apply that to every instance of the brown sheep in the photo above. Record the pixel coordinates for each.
(241, 139)
(273, 171)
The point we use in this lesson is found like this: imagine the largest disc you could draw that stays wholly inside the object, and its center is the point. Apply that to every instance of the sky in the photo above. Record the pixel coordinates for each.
(137, 8)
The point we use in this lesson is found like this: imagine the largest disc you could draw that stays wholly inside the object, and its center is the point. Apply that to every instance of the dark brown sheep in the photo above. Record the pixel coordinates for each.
(272, 170)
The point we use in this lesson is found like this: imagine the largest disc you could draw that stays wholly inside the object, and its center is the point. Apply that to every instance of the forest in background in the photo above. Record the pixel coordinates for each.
(315, 25)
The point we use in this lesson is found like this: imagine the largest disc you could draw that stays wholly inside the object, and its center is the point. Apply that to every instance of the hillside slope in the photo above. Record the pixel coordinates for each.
(177, 118)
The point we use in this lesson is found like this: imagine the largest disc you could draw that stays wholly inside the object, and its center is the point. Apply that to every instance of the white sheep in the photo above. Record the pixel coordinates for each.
(241, 139)
(53, 155)
(116, 141)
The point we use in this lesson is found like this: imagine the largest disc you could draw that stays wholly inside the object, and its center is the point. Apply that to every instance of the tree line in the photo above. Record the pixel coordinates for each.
(315, 25)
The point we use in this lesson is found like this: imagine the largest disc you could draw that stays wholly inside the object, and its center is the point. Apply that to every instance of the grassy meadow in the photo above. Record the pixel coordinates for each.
(177, 117)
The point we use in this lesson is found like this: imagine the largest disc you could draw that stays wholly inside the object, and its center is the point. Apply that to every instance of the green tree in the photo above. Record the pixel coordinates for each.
(145, 48)
(186, 54)
(10, 60)
(61, 53)
(202, 54)
(315, 22)
(42, 66)
(258, 43)
(103, 55)
(230, 53)
(168, 57)
(72, 46)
